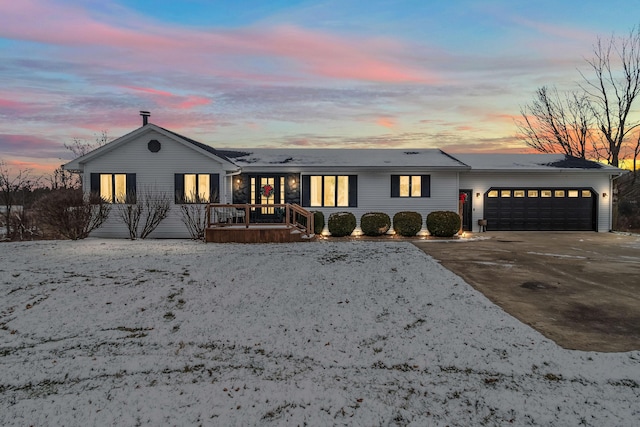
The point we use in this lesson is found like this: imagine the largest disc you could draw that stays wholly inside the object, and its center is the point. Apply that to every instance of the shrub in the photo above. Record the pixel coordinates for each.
(375, 223)
(407, 223)
(443, 223)
(151, 206)
(318, 222)
(72, 214)
(341, 224)
(194, 217)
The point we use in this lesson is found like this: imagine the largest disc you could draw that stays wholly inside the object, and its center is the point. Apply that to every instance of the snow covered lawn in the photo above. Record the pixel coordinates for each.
(114, 332)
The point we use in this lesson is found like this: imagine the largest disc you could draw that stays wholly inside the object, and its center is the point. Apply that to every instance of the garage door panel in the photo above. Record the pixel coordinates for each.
(550, 209)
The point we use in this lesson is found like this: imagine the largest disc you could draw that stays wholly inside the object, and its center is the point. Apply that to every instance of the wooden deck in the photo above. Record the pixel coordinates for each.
(231, 223)
(255, 234)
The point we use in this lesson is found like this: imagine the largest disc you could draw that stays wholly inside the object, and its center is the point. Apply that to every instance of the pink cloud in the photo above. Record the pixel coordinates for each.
(302, 143)
(14, 105)
(168, 99)
(556, 31)
(38, 170)
(11, 142)
(12, 108)
(387, 122)
(138, 42)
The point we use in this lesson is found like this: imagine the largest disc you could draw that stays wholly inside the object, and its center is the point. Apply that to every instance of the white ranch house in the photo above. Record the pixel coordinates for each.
(512, 192)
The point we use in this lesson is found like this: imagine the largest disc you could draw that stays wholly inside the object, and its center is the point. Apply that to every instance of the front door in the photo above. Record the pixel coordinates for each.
(465, 198)
(268, 190)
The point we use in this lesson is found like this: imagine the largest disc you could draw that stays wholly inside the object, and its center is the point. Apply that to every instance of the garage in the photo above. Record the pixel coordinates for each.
(540, 209)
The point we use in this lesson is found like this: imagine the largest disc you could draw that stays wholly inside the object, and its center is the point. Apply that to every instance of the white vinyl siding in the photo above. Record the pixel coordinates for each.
(374, 195)
(156, 171)
(481, 182)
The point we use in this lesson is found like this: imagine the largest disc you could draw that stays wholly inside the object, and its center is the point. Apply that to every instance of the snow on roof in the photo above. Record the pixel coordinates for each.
(530, 162)
(356, 158)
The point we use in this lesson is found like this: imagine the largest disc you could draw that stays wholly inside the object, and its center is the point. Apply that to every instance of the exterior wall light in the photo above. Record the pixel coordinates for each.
(604, 195)
(477, 194)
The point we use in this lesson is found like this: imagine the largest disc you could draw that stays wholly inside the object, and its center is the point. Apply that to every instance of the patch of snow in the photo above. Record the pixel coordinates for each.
(493, 263)
(275, 158)
(557, 255)
(173, 332)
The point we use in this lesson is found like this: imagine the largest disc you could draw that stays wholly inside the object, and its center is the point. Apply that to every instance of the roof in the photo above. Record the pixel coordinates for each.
(532, 163)
(206, 147)
(267, 158)
(78, 163)
(283, 159)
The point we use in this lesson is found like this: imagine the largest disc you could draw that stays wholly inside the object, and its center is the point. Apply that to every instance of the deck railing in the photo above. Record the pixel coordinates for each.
(288, 215)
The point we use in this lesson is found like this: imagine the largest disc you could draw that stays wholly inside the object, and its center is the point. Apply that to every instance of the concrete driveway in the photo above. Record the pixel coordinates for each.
(582, 290)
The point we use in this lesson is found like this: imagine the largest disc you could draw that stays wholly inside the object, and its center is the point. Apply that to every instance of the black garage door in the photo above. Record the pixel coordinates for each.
(544, 209)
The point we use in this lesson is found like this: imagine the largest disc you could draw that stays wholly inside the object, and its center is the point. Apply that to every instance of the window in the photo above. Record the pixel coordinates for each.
(493, 193)
(410, 186)
(505, 193)
(114, 187)
(572, 193)
(330, 190)
(545, 193)
(559, 193)
(196, 188)
(532, 193)
(586, 193)
(518, 193)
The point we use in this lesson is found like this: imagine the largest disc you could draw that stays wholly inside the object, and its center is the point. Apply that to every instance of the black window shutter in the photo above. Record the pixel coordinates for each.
(214, 188)
(94, 183)
(426, 186)
(353, 191)
(178, 188)
(306, 190)
(395, 185)
(131, 188)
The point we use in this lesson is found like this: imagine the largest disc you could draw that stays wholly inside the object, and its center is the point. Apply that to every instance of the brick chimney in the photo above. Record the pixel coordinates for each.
(145, 117)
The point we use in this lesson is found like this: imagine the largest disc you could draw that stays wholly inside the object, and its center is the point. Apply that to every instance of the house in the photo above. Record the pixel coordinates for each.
(510, 192)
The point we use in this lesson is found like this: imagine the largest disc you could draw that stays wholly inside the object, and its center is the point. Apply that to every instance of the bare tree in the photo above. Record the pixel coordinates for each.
(70, 213)
(552, 124)
(80, 147)
(13, 191)
(594, 121)
(151, 207)
(636, 153)
(63, 179)
(613, 89)
(194, 216)
(130, 214)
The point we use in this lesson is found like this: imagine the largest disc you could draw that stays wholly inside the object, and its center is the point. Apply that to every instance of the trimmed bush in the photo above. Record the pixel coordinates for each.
(375, 223)
(318, 222)
(407, 223)
(443, 223)
(341, 224)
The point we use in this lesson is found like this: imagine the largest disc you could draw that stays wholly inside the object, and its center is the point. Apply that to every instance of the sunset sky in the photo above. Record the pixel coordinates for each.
(288, 73)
